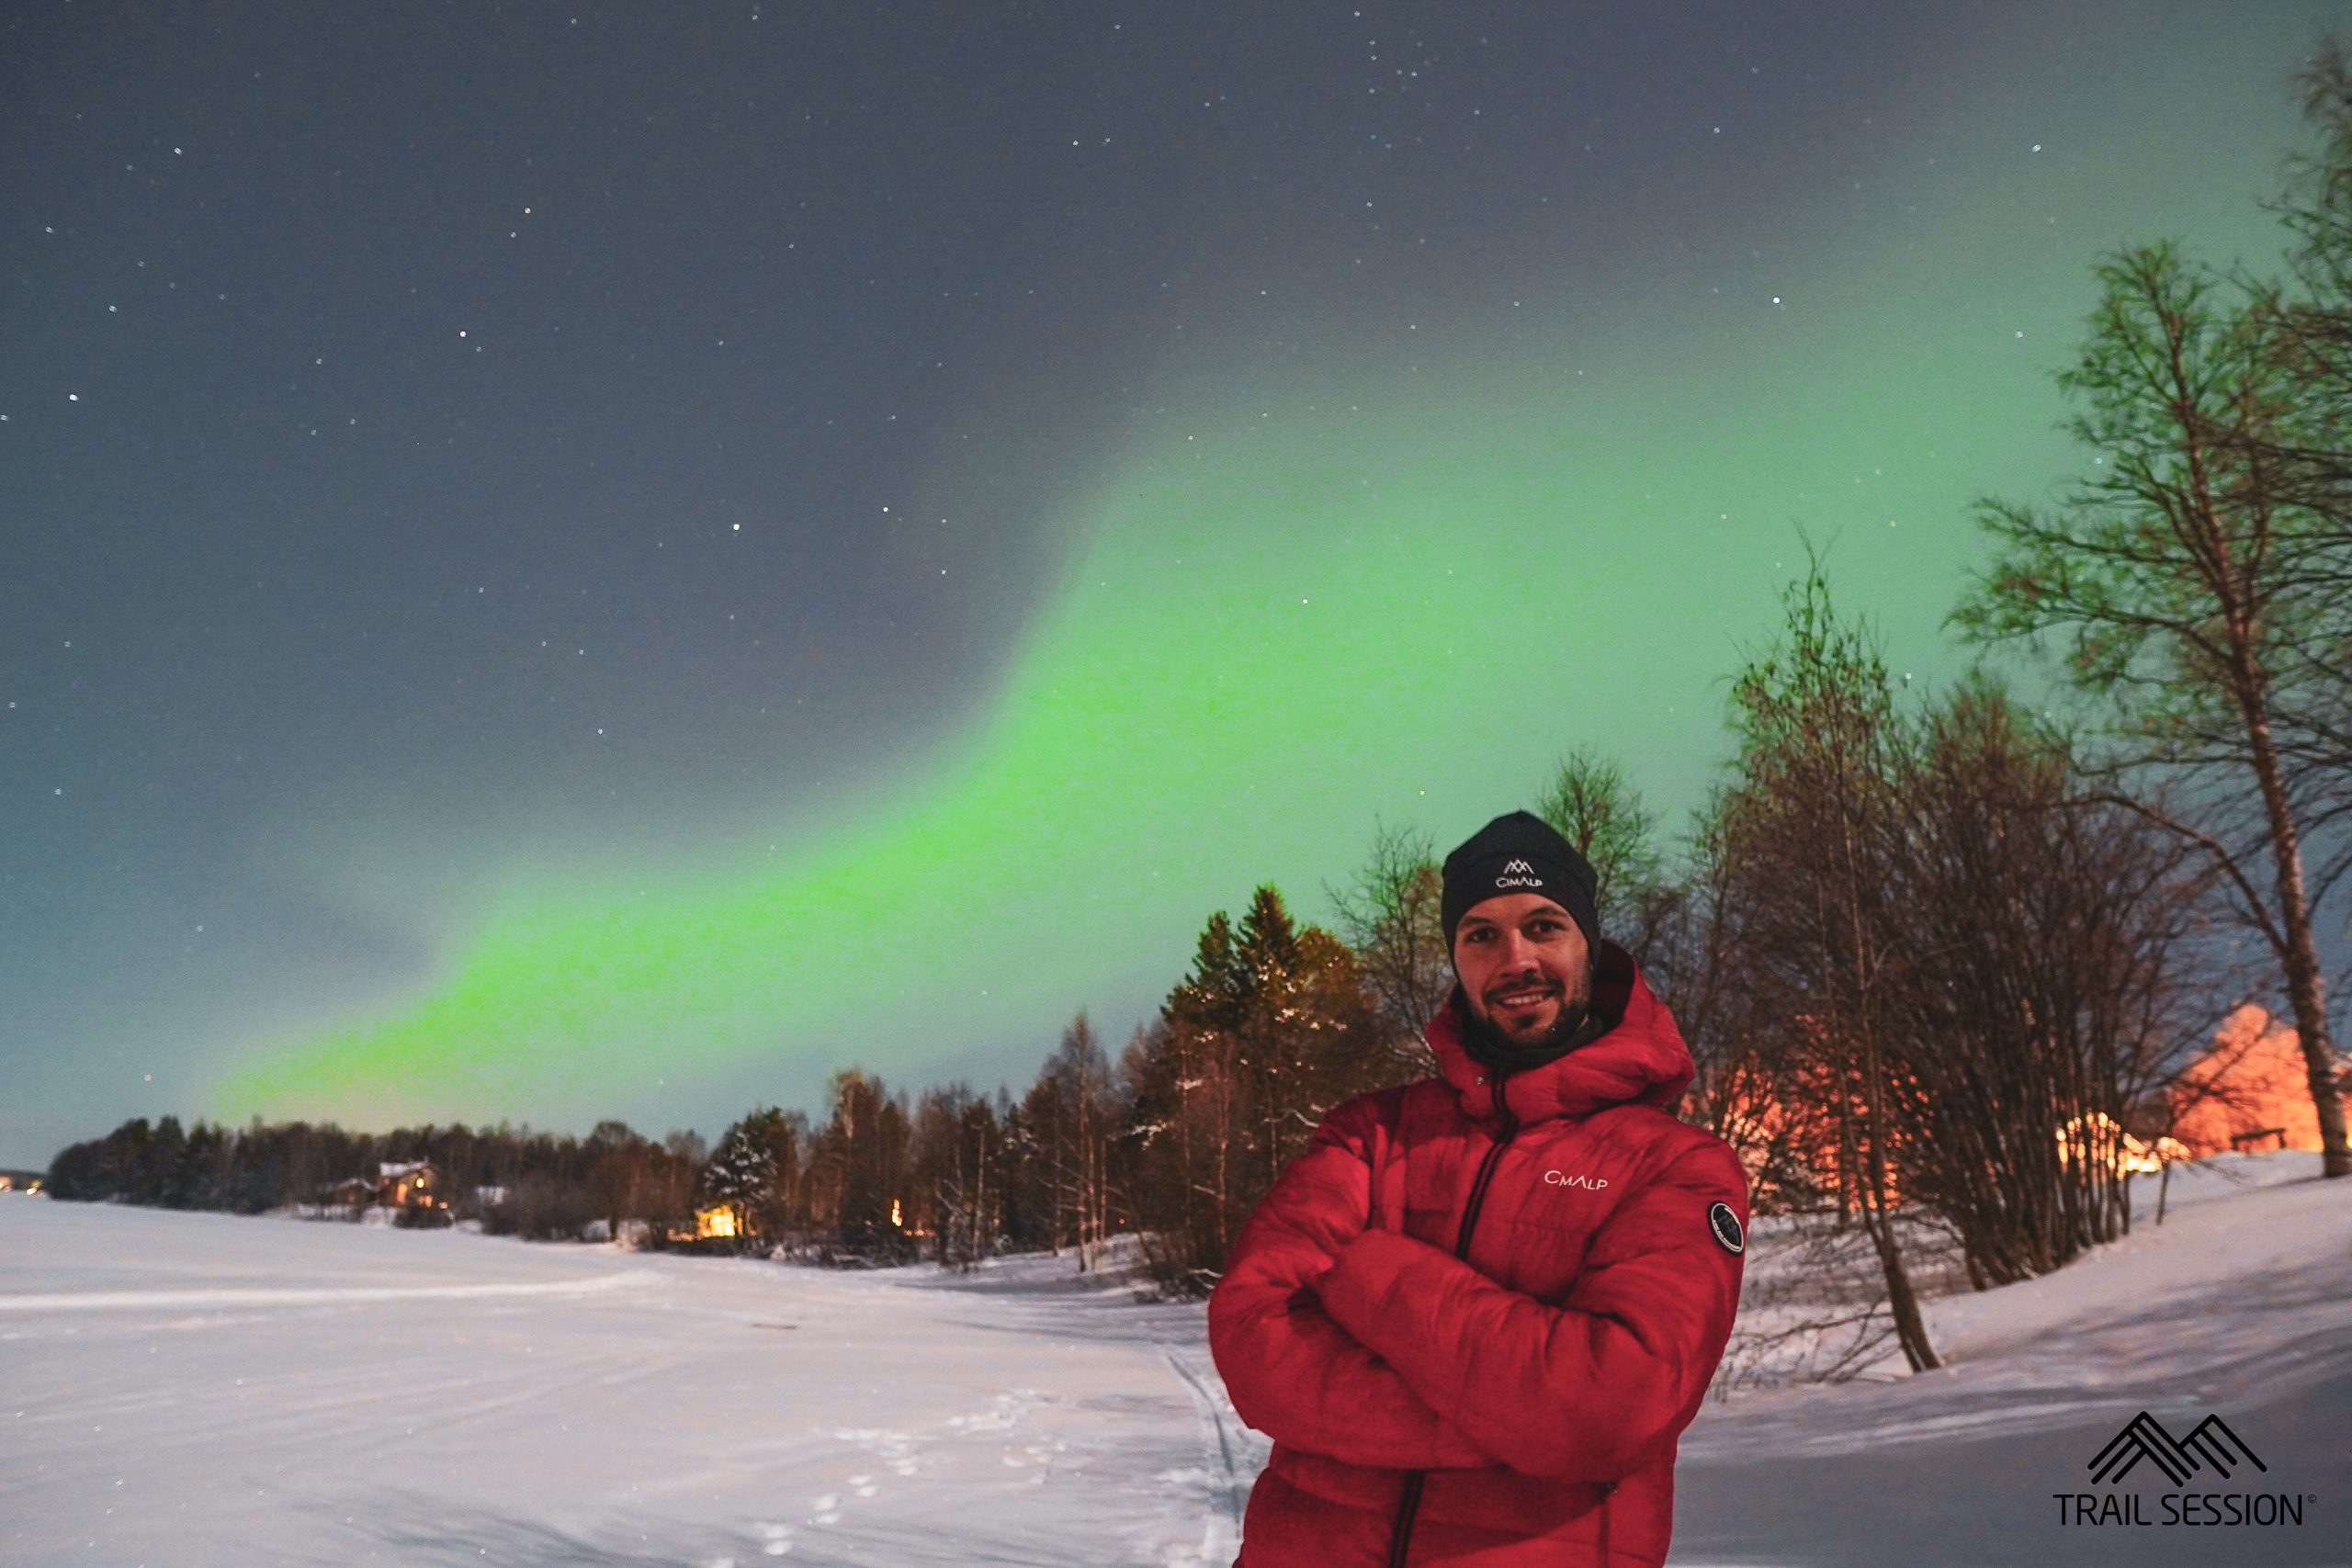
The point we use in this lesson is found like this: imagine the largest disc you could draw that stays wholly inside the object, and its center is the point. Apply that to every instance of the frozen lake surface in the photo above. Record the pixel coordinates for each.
(197, 1389)
(201, 1389)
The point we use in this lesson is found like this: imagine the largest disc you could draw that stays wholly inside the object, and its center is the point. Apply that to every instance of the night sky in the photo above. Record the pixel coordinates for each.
(573, 561)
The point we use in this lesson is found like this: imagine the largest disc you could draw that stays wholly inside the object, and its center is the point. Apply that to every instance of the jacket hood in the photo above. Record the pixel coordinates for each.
(1640, 1061)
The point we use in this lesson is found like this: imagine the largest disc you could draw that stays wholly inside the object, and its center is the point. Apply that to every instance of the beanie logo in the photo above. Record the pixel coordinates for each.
(1518, 873)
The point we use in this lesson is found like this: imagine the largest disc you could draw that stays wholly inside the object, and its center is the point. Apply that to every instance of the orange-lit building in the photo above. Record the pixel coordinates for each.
(2250, 1091)
(409, 1184)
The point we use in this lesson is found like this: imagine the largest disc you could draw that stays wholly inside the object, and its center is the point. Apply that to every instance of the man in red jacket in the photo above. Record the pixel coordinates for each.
(1476, 1314)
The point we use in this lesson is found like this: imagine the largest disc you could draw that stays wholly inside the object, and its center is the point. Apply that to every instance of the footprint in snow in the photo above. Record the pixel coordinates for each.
(893, 1448)
(828, 1508)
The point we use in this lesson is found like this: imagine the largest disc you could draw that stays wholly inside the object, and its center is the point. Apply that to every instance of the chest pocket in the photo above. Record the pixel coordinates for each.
(1423, 1172)
(1548, 1243)
(1548, 1201)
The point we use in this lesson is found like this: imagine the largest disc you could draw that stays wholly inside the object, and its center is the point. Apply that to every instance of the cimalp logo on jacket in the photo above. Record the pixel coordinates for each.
(1518, 873)
(2210, 1449)
(1560, 1179)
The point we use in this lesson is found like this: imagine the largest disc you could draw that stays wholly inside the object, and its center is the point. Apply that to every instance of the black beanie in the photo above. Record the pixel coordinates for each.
(1521, 852)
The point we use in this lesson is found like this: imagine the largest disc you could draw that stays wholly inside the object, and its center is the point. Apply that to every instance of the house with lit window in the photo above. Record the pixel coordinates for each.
(409, 1184)
(403, 1184)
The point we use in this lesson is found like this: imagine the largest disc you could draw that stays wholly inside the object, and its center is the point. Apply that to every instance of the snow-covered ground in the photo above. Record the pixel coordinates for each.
(201, 1389)
(2239, 1304)
(193, 1389)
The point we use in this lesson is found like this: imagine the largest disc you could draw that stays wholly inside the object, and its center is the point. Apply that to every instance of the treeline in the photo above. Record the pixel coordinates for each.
(1937, 955)
(514, 1181)
(1174, 1142)
(1177, 1140)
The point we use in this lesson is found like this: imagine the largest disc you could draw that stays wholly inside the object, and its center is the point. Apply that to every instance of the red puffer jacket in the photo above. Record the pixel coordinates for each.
(1476, 1331)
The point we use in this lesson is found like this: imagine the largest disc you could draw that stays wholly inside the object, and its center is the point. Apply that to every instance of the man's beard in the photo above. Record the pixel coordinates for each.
(1486, 1041)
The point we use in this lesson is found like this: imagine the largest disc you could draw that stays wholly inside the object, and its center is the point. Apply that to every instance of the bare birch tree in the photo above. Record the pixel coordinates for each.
(2177, 573)
(1393, 918)
(1596, 808)
(1810, 823)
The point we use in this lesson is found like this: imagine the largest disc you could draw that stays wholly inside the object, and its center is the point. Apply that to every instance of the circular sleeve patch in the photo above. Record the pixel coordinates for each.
(1725, 1226)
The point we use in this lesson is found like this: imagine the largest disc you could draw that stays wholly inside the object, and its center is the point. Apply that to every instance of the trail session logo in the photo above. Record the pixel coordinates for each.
(2143, 1436)
(2210, 1449)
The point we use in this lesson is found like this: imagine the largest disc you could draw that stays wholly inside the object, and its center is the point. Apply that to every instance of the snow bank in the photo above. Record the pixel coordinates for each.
(2239, 1304)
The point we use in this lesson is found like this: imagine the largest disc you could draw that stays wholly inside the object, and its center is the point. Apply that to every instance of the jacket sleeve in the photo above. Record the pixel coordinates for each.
(1293, 1374)
(1588, 1390)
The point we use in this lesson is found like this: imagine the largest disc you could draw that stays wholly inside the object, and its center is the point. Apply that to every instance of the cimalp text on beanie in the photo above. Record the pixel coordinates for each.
(1519, 852)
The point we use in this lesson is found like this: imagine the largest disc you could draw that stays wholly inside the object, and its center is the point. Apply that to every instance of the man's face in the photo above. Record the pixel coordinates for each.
(1524, 968)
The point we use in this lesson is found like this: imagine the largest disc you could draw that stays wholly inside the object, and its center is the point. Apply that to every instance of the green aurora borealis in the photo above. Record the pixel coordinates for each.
(463, 668)
(1405, 606)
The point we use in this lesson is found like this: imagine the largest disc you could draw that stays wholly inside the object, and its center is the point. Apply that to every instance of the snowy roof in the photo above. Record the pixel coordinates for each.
(386, 1169)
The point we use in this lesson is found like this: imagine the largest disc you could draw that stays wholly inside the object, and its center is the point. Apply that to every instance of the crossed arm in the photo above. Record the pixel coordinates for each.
(1375, 1348)
(1293, 1372)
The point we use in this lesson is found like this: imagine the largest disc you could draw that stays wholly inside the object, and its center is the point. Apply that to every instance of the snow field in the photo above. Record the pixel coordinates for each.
(278, 1398)
(197, 1389)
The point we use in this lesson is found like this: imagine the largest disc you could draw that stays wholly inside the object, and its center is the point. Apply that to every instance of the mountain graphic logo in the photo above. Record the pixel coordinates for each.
(1518, 873)
(2212, 1446)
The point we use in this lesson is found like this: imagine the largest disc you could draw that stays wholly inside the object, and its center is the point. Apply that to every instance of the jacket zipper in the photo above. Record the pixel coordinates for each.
(1400, 1534)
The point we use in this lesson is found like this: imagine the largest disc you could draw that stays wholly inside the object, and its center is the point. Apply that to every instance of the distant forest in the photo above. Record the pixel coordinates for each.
(1937, 953)
(1177, 1139)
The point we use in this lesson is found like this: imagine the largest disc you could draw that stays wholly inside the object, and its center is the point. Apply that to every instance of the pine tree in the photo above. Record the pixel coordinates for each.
(859, 1164)
(1272, 1027)
(755, 1171)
